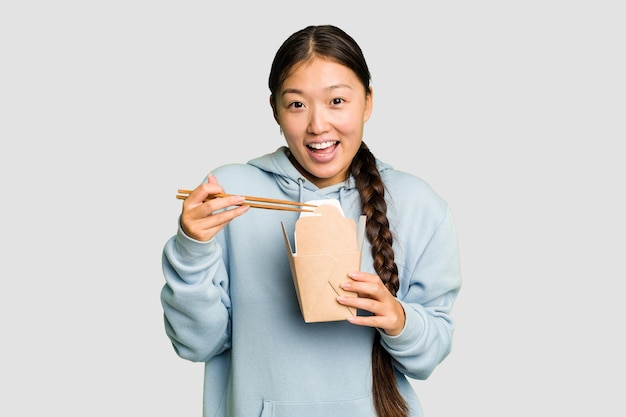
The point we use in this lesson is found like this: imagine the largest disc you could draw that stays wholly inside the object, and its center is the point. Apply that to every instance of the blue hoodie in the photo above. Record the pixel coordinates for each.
(231, 302)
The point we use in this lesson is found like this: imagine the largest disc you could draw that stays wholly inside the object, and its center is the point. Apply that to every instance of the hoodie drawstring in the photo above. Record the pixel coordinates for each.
(341, 194)
(301, 189)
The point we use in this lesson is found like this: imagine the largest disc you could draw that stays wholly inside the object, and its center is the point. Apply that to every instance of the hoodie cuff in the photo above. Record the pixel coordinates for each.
(190, 249)
(412, 331)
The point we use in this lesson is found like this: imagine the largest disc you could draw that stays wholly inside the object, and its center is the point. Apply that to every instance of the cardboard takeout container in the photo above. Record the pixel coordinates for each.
(327, 247)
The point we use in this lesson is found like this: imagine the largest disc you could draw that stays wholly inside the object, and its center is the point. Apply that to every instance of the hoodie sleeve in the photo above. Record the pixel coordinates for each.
(195, 298)
(434, 283)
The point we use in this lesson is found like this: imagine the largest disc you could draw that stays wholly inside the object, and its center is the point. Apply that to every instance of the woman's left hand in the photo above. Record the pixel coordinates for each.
(374, 297)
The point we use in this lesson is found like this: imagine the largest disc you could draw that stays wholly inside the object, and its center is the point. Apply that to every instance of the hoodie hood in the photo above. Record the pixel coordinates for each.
(291, 181)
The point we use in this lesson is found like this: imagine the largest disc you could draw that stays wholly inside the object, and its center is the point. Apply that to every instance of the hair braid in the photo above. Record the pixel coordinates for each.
(387, 399)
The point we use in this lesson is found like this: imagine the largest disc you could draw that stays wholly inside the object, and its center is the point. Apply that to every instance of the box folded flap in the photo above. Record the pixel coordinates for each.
(327, 232)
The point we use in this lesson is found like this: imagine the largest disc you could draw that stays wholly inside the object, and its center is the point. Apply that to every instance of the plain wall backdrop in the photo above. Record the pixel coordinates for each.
(513, 111)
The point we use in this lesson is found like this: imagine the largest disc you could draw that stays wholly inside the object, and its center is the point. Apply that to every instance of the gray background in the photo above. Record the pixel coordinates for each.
(512, 111)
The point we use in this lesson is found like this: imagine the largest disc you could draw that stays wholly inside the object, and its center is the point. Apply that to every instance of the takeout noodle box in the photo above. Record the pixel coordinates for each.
(327, 247)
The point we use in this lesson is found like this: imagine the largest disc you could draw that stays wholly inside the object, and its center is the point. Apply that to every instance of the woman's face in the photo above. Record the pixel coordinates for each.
(322, 108)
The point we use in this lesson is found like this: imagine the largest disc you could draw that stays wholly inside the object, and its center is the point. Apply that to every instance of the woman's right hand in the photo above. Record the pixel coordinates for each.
(199, 220)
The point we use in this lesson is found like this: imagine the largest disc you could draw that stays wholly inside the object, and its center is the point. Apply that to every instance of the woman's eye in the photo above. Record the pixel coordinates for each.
(296, 104)
(337, 100)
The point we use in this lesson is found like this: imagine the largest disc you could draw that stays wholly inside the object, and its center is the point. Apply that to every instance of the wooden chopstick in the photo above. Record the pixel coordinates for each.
(274, 203)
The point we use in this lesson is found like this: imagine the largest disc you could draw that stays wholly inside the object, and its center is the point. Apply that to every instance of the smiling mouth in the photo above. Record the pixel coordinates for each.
(322, 146)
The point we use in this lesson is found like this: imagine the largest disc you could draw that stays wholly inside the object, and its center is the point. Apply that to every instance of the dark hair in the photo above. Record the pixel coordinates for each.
(332, 43)
(318, 41)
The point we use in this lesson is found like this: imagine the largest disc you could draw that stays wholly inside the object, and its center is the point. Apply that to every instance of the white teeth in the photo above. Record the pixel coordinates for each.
(322, 145)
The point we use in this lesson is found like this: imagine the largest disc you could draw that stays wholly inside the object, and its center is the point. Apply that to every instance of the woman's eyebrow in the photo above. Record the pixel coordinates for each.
(291, 91)
(336, 86)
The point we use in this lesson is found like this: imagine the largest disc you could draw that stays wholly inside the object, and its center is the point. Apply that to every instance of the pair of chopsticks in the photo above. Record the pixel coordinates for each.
(271, 204)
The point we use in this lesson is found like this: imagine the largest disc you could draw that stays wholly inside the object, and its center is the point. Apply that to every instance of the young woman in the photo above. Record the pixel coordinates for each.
(229, 298)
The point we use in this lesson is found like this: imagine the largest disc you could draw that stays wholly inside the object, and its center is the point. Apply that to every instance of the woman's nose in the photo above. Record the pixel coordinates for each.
(318, 121)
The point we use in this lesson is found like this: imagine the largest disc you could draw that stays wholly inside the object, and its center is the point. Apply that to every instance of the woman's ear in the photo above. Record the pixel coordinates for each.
(273, 106)
(369, 103)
